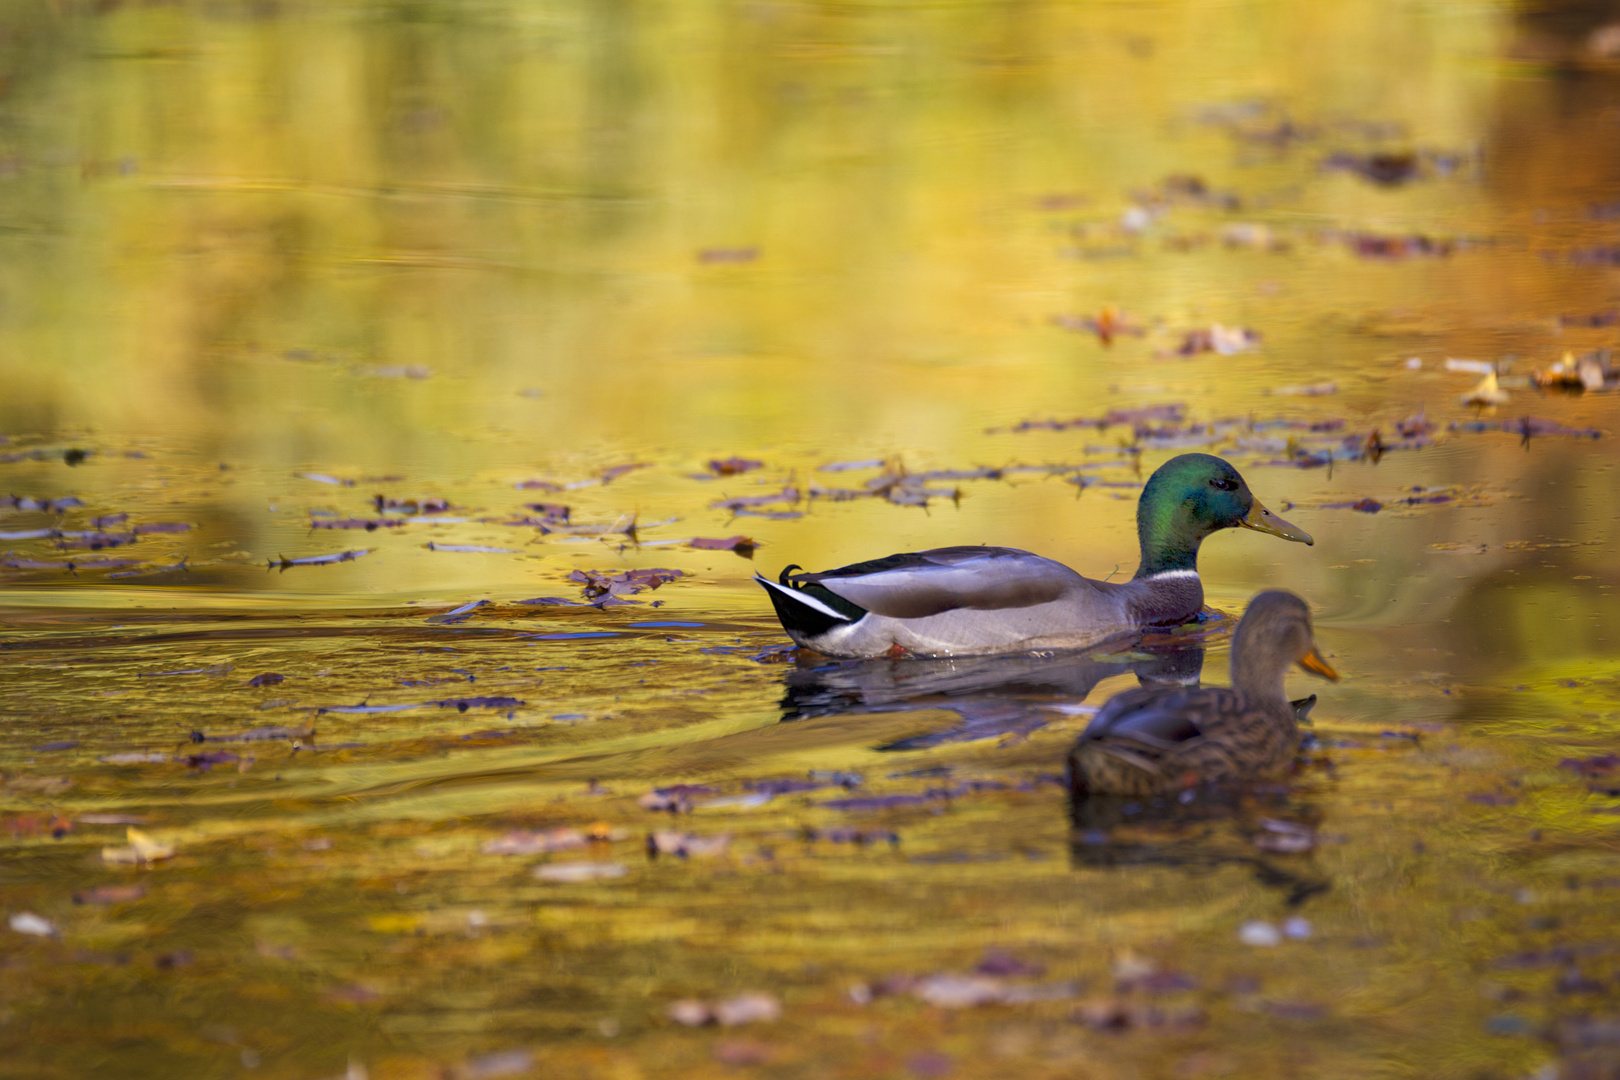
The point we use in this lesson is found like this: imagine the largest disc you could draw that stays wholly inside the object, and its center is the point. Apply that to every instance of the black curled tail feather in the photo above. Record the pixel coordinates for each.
(808, 611)
(849, 609)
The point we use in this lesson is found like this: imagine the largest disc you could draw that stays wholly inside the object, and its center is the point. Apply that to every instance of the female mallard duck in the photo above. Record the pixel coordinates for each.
(959, 601)
(1157, 739)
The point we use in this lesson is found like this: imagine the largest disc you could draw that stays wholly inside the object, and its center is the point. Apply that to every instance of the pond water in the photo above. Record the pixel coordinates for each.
(503, 300)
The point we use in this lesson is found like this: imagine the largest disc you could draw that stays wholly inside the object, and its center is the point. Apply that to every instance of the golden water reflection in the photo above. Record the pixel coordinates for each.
(273, 268)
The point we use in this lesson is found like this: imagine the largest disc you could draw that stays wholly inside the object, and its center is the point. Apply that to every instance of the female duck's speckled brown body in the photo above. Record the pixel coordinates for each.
(1158, 740)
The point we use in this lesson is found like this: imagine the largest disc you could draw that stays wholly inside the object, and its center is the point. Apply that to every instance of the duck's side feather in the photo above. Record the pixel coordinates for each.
(920, 584)
(1161, 718)
(1157, 739)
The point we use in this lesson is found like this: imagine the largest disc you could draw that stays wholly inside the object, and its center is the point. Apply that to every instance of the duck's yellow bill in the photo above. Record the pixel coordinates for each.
(1262, 520)
(1313, 663)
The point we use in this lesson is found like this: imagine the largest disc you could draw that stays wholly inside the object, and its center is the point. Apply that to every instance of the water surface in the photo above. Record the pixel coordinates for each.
(275, 273)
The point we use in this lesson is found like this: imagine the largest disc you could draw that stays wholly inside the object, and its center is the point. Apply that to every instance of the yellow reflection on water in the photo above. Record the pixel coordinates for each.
(267, 262)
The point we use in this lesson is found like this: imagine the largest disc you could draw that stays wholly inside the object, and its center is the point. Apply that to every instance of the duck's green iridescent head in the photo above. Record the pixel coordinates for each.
(1189, 497)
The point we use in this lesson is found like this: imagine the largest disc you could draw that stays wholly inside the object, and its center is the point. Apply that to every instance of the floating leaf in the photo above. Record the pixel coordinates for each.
(1107, 324)
(742, 545)
(264, 734)
(368, 524)
(751, 1008)
(457, 615)
(598, 583)
(1590, 373)
(142, 850)
(733, 466)
(571, 873)
(545, 841)
(463, 704)
(1365, 506)
(728, 255)
(1386, 168)
(1310, 390)
(1487, 394)
(786, 495)
(413, 506)
(1170, 413)
(93, 541)
(1284, 837)
(319, 560)
(676, 799)
(613, 472)
(686, 845)
(110, 894)
(1375, 246)
(1226, 340)
(25, 922)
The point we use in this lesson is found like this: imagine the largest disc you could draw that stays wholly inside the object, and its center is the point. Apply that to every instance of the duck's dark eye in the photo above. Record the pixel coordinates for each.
(1224, 483)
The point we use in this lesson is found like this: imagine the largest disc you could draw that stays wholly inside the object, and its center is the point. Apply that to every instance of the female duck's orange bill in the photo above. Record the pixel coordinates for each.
(1313, 662)
(1262, 520)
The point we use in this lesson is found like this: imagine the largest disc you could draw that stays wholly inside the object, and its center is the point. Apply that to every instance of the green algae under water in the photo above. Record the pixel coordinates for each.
(271, 270)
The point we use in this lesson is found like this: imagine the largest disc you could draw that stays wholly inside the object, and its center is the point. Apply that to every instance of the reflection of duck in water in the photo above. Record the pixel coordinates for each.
(1158, 740)
(1218, 829)
(994, 695)
(959, 601)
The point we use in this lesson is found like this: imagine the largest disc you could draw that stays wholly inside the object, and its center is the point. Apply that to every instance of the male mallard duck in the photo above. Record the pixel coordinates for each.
(957, 601)
(1156, 740)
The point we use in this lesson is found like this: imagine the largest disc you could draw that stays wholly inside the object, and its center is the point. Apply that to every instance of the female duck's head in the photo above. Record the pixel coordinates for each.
(1274, 634)
(1189, 497)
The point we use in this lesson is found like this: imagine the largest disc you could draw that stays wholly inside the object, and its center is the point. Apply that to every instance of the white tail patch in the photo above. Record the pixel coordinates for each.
(799, 597)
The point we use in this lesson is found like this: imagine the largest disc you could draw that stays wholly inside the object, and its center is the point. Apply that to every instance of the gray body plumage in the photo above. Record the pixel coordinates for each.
(962, 601)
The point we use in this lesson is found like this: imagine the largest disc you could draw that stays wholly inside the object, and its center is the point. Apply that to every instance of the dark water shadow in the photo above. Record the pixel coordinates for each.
(1201, 832)
(994, 695)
